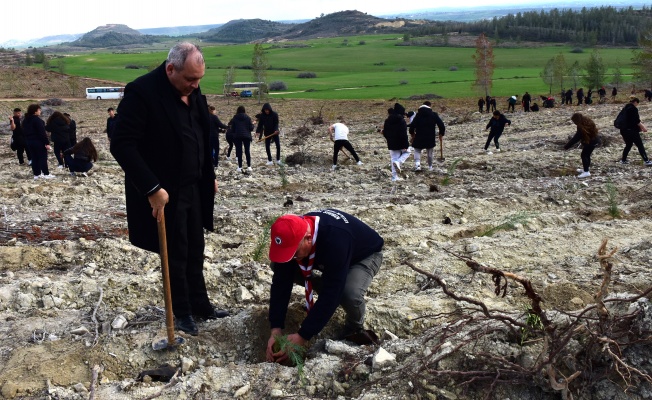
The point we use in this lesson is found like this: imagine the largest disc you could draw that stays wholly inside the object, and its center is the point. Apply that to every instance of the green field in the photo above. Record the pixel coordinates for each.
(362, 67)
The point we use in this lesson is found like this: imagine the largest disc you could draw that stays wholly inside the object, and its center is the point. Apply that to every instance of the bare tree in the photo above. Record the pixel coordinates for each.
(484, 64)
(259, 65)
(229, 78)
(642, 60)
(548, 74)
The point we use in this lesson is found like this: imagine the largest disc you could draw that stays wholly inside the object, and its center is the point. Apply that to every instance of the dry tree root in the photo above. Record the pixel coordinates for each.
(574, 352)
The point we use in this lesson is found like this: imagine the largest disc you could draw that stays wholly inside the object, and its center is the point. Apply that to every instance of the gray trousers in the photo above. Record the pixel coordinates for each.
(357, 282)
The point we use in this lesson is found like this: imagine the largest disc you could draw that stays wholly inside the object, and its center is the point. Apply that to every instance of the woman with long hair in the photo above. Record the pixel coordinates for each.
(37, 141)
(242, 126)
(587, 133)
(59, 127)
(80, 157)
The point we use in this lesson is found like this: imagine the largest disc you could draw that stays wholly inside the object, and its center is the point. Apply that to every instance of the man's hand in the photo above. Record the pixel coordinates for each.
(270, 343)
(281, 355)
(158, 200)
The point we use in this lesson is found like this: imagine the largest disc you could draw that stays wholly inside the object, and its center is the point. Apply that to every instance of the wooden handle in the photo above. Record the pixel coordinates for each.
(163, 251)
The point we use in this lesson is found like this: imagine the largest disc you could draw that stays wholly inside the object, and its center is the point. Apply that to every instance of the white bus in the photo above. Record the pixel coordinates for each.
(239, 87)
(99, 93)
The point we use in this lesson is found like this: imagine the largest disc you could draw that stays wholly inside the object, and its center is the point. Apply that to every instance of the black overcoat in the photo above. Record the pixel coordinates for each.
(146, 143)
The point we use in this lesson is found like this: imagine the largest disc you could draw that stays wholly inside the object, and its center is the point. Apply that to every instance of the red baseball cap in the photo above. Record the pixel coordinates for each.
(287, 233)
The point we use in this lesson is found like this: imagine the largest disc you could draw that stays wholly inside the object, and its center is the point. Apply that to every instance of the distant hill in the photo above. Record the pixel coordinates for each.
(113, 35)
(245, 30)
(179, 30)
(343, 23)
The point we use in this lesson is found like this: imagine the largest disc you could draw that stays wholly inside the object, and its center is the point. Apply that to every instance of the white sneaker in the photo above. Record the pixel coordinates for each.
(497, 150)
(647, 163)
(50, 176)
(37, 177)
(359, 163)
(580, 170)
(397, 166)
(239, 170)
(333, 167)
(417, 167)
(430, 168)
(248, 169)
(270, 162)
(585, 174)
(279, 162)
(60, 166)
(488, 152)
(84, 174)
(396, 179)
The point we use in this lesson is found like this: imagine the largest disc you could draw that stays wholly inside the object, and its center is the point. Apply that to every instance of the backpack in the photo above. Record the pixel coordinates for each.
(621, 120)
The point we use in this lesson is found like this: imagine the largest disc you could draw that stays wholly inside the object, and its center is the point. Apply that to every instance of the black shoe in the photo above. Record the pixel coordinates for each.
(186, 324)
(215, 313)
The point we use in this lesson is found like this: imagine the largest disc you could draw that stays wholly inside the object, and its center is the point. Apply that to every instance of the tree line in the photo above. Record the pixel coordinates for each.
(605, 26)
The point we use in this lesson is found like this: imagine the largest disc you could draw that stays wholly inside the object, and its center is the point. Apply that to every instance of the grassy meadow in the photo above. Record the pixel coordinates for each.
(361, 67)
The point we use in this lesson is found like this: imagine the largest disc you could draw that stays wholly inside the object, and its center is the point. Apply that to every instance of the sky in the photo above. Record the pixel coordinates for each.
(81, 16)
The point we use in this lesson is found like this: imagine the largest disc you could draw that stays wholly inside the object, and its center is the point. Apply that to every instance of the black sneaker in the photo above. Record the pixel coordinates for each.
(186, 324)
(213, 314)
(623, 162)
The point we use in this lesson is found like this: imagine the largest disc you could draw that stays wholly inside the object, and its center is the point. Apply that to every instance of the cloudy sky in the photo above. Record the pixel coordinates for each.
(35, 20)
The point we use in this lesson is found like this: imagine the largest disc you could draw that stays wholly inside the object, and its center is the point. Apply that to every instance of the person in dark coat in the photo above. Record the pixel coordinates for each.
(37, 141)
(602, 93)
(481, 103)
(423, 131)
(80, 157)
(631, 132)
(241, 126)
(395, 132)
(614, 93)
(162, 142)
(72, 131)
(580, 96)
(568, 97)
(587, 133)
(268, 127)
(492, 102)
(110, 122)
(497, 124)
(346, 251)
(526, 99)
(59, 127)
(18, 137)
(216, 125)
(487, 101)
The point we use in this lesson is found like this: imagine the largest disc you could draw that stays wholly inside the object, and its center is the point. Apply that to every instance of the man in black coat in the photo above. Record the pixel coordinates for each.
(423, 131)
(18, 137)
(161, 141)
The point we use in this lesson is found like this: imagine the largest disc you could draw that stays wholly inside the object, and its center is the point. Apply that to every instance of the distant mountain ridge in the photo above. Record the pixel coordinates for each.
(341, 23)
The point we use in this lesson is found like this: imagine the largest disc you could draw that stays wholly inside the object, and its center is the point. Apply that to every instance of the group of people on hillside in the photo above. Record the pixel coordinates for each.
(488, 101)
(30, 137)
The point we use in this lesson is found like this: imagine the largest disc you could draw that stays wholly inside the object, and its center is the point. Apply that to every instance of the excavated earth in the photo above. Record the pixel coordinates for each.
(68, 274)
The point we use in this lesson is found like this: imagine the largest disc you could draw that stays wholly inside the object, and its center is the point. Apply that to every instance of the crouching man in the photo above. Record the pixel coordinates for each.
(344, 249)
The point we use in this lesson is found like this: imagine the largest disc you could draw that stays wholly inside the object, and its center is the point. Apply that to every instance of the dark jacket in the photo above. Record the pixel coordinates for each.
(498, 125)
(216, 125)
(424, 127)
(72, 132)
(146, 143)
(17, 134)
(60, 130)
(34, 129)
(632, 119)
(110, 125)
(395, 131)
(79, 155)
(267, 123)
(579, 137)
(241, 126)
(342, 240)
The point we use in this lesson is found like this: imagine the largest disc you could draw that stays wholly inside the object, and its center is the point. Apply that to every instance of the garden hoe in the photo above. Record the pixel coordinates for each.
(441, 149)
(171, 342)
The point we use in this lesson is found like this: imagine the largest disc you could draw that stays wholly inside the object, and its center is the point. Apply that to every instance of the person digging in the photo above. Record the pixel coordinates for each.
(346, 251)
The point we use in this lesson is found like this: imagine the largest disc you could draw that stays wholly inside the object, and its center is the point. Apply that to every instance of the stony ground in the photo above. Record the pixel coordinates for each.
(67, 270)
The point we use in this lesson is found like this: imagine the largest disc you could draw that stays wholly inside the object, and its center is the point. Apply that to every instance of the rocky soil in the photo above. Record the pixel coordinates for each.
(68, 272)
